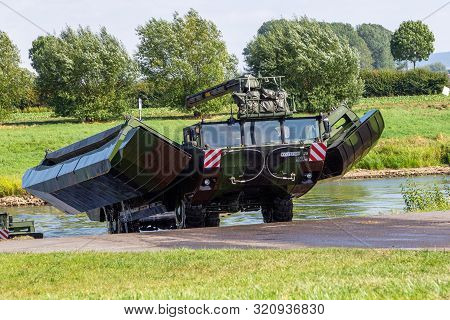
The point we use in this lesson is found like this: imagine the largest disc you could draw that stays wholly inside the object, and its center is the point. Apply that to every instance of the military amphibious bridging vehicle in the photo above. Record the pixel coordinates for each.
(137, 179)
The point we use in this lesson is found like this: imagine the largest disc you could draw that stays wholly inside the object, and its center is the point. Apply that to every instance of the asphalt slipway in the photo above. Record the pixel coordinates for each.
(430, 230)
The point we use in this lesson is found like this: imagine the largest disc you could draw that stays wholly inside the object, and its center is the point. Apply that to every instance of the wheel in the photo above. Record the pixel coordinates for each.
(195, 216)
(180, 214)
(212, 220)
(189, 216)
(279, 210)
(267, 213)
(112, 217)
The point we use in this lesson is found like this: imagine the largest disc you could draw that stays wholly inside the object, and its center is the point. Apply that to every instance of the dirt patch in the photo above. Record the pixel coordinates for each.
(393, 173)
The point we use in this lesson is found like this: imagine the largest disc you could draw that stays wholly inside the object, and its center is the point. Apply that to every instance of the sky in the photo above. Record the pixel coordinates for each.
(238, 20)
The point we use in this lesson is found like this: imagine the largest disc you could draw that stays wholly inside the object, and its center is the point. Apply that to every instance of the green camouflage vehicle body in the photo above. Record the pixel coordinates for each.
(137, 179)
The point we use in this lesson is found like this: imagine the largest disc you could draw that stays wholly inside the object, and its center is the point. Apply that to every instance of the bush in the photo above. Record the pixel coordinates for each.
(422, 198)
(10, 187)
(380, 83)
(320, 70)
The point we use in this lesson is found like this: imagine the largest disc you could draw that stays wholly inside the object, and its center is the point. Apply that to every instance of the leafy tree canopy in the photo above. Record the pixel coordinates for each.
(378, 40)
(181, 57)
(15, 82)
(83, 74)
(346, 32)
(412, 41)
(320, 70)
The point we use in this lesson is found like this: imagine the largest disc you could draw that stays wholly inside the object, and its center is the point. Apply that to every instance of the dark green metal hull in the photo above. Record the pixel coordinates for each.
(247, 174)
(130, 172)
(122, 163)
(352, 145)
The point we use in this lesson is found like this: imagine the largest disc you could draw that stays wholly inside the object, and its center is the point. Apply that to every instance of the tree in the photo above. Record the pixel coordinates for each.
(436, 67)
(15, 82)
(83, 74)
(181, 57)
(378, 40)
(321, 71)
(29, 95)
(412, 41)
(346, 32)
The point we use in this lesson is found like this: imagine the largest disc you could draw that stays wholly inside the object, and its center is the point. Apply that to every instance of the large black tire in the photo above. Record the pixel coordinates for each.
(195, 216)
(212, 220)
(180, 214)
(189, 216)
(279, 210)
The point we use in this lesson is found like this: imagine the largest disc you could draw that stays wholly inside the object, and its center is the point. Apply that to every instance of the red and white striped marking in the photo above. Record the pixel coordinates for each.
(317, 152)
(4, 234)
(212, 158)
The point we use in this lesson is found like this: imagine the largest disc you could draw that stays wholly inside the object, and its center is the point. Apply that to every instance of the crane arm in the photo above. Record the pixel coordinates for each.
(213, 92)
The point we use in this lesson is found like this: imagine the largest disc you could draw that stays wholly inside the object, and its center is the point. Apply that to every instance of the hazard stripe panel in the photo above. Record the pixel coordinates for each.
(4, 234)
(317, 151)
(212, 158)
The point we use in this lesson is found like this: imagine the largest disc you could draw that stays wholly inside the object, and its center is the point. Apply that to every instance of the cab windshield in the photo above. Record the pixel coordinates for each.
(221, 135)
(262, 132)
(296, 130)
(259, 132)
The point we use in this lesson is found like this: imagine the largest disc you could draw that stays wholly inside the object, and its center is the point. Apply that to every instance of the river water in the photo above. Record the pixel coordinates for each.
(326, 200)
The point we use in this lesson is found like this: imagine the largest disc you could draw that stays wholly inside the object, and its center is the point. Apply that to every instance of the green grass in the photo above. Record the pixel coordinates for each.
(406, 120)
(416, 134)
(410, 152)
(207, 274)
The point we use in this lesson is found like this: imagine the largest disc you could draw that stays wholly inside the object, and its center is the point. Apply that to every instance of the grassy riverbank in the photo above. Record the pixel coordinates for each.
(417, 134)
(207, 274)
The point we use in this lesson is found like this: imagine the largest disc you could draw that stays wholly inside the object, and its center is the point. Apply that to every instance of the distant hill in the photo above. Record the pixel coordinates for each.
(442, 57)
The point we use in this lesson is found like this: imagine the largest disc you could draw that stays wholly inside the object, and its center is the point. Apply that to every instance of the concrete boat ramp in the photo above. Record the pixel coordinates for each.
(429, 230)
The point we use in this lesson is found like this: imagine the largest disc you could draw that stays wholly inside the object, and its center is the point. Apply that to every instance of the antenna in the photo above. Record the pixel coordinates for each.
(140, 108)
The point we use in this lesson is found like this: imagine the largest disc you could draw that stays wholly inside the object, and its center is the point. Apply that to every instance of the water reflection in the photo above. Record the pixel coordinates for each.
(326, 200)
(345, 198)
(54, 223)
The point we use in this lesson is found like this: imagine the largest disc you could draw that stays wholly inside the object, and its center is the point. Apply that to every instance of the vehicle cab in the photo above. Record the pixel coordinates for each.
(254, 132)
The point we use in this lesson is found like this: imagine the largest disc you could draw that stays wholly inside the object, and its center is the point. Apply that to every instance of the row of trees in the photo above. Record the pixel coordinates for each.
(90, 75)
(322, 60)
(379, 48)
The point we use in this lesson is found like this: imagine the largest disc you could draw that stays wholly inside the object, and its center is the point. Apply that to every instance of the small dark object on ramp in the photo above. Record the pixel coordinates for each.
(18, 228)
